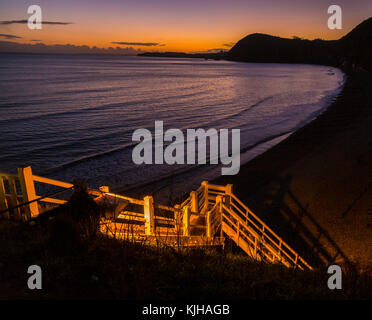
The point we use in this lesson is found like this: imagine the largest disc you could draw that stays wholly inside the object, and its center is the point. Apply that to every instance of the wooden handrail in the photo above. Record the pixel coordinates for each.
(131, 200)
(216, 187)
(186, 202)
(53, 200)
(269, 247)
(52, 182)
(240, 224)
(249, 212)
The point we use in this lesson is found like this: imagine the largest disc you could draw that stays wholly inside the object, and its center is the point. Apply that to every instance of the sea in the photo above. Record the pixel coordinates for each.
(72, 117)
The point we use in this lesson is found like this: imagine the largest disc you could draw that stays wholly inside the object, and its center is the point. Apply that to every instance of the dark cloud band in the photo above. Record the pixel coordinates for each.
(145, 44)
(9, 36)
(216, 50)
(39, 47)
(26, 21)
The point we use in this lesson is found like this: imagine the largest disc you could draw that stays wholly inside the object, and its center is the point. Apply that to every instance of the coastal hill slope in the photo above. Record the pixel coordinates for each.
(354, 49)
(259, 47)
(357, 44)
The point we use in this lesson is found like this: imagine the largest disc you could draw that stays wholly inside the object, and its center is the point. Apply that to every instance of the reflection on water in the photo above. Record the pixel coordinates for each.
(73, 116)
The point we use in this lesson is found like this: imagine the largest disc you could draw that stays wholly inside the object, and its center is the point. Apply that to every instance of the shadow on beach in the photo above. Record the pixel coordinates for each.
(298, 226)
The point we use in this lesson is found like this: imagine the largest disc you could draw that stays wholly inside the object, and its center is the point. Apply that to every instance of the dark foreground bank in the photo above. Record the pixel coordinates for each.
(78, 263)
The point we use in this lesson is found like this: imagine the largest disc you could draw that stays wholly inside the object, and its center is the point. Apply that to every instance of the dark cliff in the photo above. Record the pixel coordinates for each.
(354, 49)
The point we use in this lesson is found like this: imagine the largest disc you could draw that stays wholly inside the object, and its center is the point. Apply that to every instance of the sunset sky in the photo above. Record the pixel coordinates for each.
(173, 25)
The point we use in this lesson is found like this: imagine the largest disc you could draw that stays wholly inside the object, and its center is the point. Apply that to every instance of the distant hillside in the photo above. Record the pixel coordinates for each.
(354, 49)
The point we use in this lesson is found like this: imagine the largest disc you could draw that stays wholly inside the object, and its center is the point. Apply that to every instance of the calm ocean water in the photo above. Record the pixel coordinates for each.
(73, 116)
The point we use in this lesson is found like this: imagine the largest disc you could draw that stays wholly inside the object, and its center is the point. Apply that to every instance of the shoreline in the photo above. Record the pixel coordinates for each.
(313, 188)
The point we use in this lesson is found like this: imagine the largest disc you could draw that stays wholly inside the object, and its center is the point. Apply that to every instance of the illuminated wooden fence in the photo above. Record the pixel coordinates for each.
(222, 212)
(18, 198)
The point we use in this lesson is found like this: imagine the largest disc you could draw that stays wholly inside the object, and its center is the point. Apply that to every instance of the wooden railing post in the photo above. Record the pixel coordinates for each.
(149, 215)
(219, 201)
(238, 233)
(206, 201)
(28, 191)
(186, 220)
(194, 201)
(295, 262)
(228, 192)
(3, 201)
(177, 219)
(255, 247)
(208, 222)
(280, 250)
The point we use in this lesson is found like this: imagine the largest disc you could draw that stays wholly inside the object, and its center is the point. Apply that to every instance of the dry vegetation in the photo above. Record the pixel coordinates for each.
(79, 263)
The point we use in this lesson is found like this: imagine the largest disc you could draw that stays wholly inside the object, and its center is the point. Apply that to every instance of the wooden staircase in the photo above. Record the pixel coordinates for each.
(205, 218)
(220, 213)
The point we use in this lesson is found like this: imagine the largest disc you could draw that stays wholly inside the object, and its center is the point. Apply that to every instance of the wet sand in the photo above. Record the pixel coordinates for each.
(315, 187)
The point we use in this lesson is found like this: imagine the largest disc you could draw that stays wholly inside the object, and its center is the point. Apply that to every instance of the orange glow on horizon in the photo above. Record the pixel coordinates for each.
(178, 26)
(187, 42)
